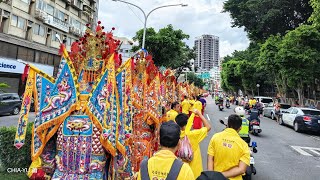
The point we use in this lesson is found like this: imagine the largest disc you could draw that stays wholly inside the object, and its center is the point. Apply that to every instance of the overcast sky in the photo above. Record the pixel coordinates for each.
(199, 17)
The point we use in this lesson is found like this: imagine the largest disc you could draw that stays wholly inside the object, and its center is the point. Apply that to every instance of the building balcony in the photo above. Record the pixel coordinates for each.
(75, 31)
(77, 4)
(8, 2)
(40, 15)
(57, 23)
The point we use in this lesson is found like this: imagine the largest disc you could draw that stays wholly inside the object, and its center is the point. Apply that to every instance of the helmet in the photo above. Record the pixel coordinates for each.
(240, 111)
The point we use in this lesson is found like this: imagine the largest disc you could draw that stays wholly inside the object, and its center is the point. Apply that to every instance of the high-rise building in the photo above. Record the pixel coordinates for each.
(207, 51)
(28, 30)
(125, 48)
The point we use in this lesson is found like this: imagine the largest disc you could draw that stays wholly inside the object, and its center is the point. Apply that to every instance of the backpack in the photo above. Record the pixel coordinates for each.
(173, 173)
(185, 151)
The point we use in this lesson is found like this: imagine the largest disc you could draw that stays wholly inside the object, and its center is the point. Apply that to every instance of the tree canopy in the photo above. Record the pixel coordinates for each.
(166, 47)
(193, 78)
(262, 18)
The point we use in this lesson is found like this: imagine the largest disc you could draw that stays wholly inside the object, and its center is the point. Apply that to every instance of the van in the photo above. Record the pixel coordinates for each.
(264, 100)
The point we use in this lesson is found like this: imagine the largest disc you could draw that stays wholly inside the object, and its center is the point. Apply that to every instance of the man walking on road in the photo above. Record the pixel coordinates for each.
(227, 152)
(164, 164)
(195, 137)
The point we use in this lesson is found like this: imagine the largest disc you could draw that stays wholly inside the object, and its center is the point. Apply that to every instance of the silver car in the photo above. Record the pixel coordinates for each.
(269, 110)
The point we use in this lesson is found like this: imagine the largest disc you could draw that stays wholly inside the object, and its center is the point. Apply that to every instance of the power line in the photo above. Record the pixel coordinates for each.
(135, 14)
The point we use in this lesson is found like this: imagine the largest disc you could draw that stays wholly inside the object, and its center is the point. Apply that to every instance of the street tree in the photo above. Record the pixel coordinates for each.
(300, 60)
(193, 78)
(166, 47)
(262, 18)
(270, 62)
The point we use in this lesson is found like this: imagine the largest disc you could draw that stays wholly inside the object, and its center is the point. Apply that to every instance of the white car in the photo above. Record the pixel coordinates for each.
(301, 119)
(264, 100)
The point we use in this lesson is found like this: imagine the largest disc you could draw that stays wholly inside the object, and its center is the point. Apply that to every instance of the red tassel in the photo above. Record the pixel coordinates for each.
(62, 47)
(25, 73)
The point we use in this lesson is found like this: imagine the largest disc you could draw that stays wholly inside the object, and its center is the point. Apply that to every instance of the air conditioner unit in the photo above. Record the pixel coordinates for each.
(30, 24)
(5, 14)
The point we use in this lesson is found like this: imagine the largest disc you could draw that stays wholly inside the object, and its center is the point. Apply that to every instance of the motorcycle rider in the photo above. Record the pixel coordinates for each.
(244, 132)
(254, 115)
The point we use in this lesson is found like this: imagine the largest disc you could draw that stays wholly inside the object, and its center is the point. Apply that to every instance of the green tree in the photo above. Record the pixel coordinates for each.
(270, 62)
(262, 18)
(166, 47)
(3, 86)
(300, 60)
(193, 78)
(315, 16)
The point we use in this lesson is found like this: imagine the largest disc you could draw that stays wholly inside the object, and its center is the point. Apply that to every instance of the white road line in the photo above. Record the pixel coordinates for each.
(208, 117)
(299, 150)
(315, 152)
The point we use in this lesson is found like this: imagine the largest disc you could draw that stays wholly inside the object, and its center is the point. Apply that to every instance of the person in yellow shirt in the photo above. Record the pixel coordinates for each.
(227, 152)
(197, 122)
(185, 105)
(173, 112)
(195, 137)
(164, 164)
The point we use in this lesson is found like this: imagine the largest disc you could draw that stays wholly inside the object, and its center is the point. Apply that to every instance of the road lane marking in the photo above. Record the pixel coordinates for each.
(302, 150)
(208, 117)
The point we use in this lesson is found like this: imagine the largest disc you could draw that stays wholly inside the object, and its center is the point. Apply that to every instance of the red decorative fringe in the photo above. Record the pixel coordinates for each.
(25, 73)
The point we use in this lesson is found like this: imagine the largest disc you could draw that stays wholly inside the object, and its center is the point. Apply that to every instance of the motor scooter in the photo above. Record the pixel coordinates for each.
(220, 106)
(250, 169)
(255, 127)
(227, 104)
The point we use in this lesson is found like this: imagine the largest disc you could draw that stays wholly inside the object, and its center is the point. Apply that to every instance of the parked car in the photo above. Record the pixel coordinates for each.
(269, 110)
(10, 103)
(264, 100)
(301, 119)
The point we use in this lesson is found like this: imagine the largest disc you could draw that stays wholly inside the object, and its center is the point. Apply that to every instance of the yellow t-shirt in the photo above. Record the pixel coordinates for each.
(160, 164)
(171, 115)
(185, 106)
(197, 105)
(228, 149)
(195, 137)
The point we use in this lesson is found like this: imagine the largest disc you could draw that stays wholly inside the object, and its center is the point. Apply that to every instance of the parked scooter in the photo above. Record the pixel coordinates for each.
(250, 169)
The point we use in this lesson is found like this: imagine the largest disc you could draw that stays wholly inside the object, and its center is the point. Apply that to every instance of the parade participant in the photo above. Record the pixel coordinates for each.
(185, 104)
(195, 137)
(164, 164)
(173, 112)
(244, 132)
(197, 123)
(227, 152)
(203, 102)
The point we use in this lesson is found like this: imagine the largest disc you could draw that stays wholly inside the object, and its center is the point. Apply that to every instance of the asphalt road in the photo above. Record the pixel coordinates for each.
(12, 120)
(276, 158)
(282, 154)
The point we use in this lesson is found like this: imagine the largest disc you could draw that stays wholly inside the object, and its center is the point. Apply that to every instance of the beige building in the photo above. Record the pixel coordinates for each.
(28, 31)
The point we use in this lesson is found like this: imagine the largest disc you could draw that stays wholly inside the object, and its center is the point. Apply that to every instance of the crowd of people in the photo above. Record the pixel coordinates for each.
(181, 133)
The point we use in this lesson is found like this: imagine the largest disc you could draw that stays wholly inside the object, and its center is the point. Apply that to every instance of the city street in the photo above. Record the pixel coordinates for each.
(12, 120)
(282, 152)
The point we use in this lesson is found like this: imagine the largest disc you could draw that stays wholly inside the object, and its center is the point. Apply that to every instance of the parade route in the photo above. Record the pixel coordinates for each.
(282, 152)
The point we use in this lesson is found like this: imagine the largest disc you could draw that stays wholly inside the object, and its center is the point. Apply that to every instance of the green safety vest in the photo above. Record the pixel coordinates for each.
(244, 132)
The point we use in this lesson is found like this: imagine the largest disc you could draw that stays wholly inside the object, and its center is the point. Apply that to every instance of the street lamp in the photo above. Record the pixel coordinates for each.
(258, 85)
(147, 15)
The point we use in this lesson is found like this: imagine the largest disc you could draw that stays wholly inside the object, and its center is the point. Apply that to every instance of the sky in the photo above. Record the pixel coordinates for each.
(198, 18)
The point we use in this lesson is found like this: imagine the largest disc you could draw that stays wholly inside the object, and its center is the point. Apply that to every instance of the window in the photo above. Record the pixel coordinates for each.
(54, 36)
(25, 1)
(38, 29)
(59, 14)
(68, 41)
(50, 9)
(14, 20)
(18, 21)
(41, 5)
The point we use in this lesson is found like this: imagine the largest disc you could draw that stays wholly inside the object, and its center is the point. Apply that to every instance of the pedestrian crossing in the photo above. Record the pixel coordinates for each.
(307, 151)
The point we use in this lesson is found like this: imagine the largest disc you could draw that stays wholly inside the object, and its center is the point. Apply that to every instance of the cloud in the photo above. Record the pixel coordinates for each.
(199, 17)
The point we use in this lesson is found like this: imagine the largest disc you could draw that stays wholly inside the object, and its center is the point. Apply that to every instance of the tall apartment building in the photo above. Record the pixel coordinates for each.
(28, 30)
(207, 51)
